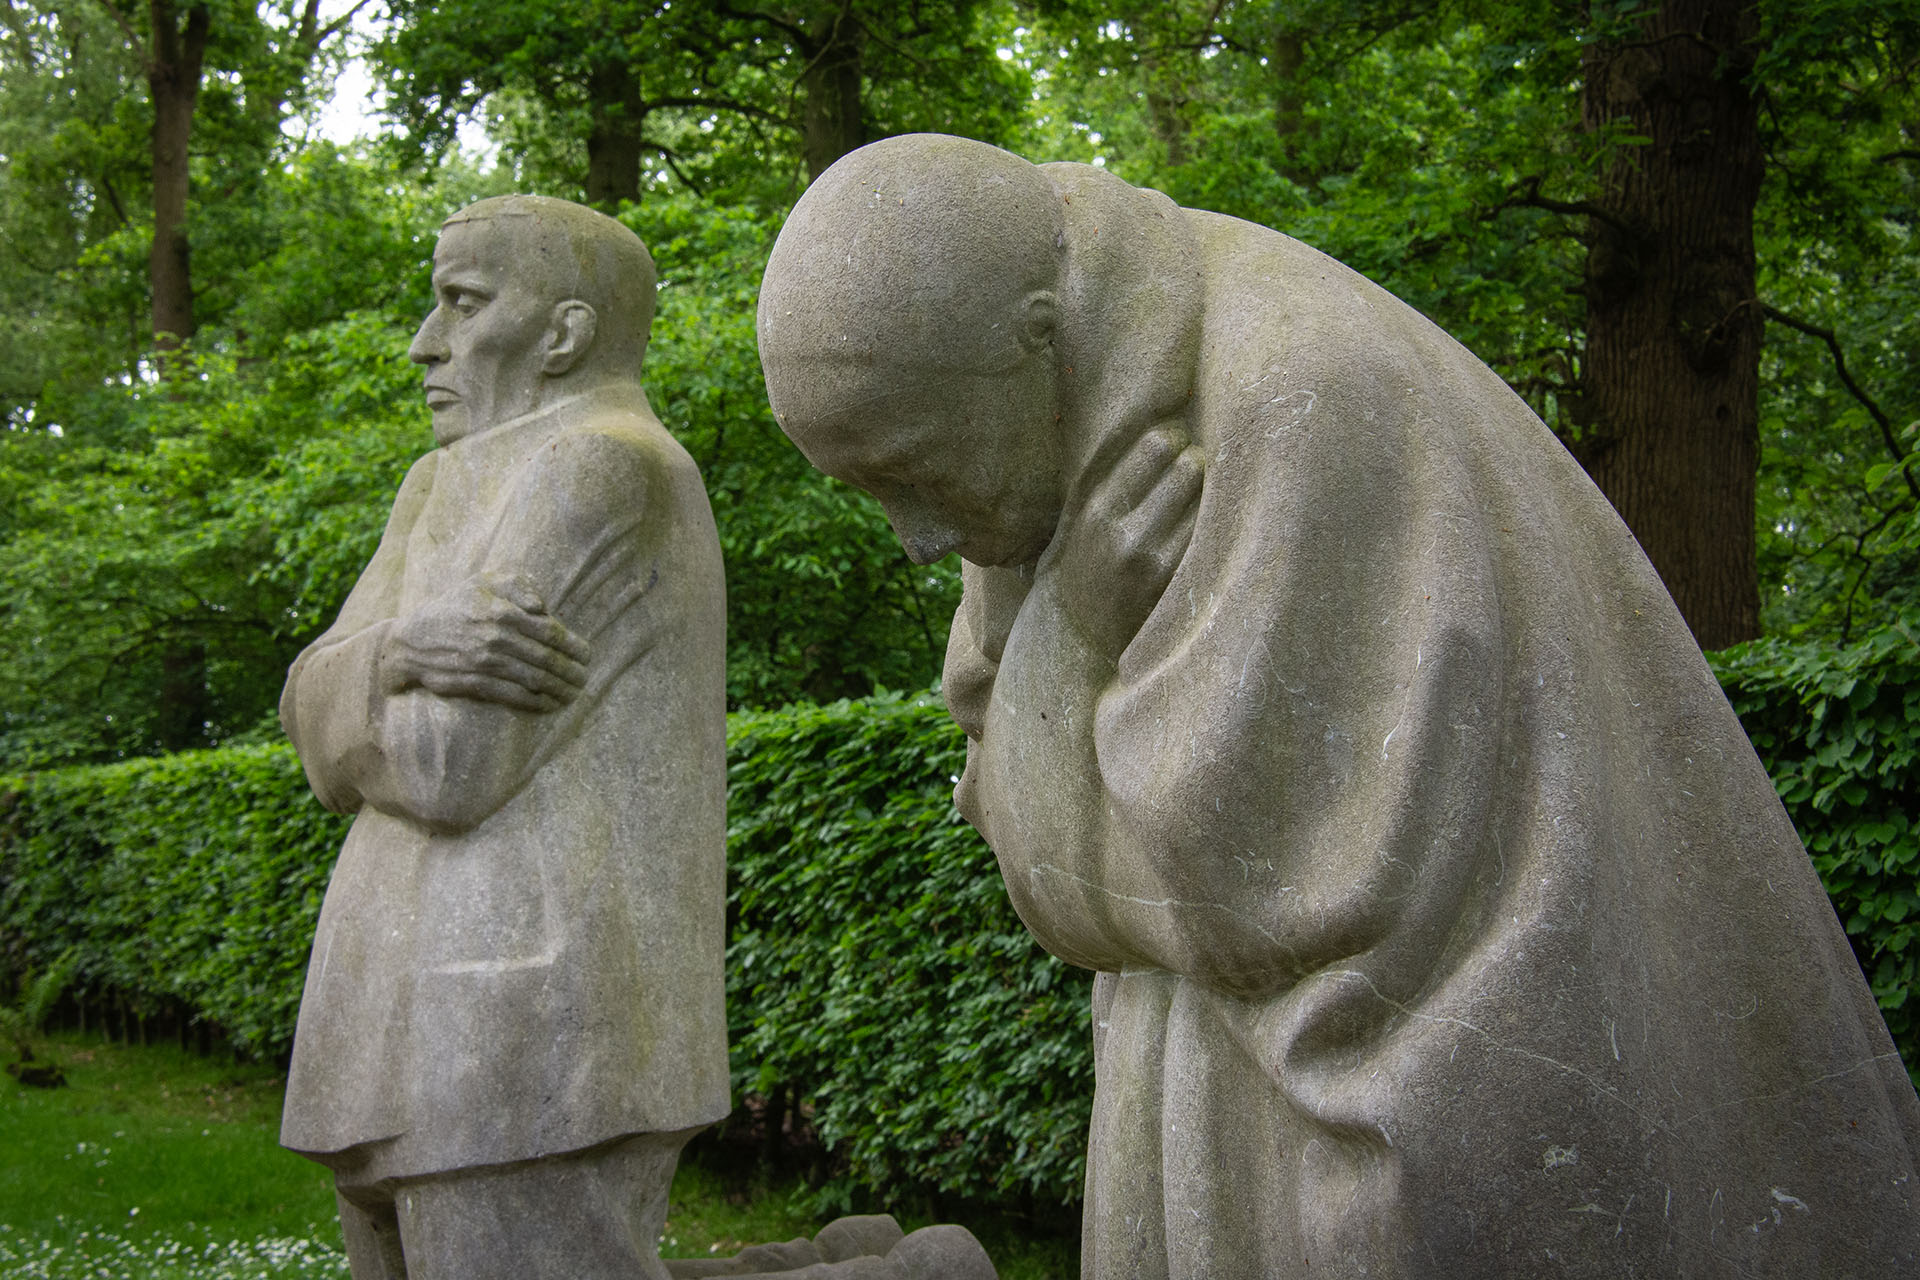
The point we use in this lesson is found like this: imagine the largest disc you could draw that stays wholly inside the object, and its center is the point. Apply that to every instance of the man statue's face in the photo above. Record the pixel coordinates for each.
(960, 461)
(485, 340)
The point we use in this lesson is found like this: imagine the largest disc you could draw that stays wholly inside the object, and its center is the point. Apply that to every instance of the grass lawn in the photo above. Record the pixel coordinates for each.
(156, 1164)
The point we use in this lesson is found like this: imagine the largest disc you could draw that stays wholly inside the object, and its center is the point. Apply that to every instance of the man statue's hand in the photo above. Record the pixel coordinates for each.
(1118, 550)
(490, 639)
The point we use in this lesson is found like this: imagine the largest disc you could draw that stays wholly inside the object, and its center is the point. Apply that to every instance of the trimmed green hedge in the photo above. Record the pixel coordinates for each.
(877, 970)
(1839, 729)
(186, 882)
(878, 981)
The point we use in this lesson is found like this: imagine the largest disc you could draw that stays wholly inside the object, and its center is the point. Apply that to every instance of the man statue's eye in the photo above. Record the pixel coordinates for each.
(461, 302)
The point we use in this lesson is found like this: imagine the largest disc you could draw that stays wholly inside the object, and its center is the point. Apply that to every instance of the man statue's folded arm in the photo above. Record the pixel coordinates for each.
(448, 762)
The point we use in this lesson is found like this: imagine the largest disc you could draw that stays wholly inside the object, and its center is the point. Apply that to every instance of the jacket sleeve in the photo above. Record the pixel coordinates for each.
(578, 526)
(328, 729)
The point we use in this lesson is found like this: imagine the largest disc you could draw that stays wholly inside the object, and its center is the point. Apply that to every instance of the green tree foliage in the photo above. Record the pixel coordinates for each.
(166, 549)
(1396, 142)
(612, 98)
(151, 108)
(226, 520)
(129, 607)
(1839, 230)
(73, 193)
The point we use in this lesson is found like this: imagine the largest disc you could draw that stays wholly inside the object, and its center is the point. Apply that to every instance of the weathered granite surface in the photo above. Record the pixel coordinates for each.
(863, 1247)
(513, 1013)
(1447, 924)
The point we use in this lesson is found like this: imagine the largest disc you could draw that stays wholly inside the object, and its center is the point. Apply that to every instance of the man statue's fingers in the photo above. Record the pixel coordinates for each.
(518, 590)
(1188, 470)
(549, 632)
(482, 687)
(526, 662)
(567, 670)
(568, 642)
(1172, 548)
(540, 651)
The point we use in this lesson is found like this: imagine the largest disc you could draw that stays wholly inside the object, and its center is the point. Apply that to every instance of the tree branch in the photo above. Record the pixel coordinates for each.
(113, 198)
(794, 31)
(720, 104)
(14, 248)
(920, 64)
(1697, 37)
(1840, 367)
(1526, 194)
(140, 47)
(912, 572)
(1866, 567)
(339, 24)
(672, 159)
(1379, 30)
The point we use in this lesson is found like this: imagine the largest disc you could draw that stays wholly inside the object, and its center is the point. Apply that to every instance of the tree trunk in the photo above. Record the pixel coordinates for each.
(173, 77)
(831, 122)
(613, 167)
(1288, 63)
(181, 704)
(1669, 405)
(613, 138)
(1163, 110)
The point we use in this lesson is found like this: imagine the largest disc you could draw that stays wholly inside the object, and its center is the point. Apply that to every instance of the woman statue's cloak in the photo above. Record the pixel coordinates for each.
(1447, 923)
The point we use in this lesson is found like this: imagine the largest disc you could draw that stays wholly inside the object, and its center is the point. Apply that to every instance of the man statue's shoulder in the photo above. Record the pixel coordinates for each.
(419, 477)
(607, 464)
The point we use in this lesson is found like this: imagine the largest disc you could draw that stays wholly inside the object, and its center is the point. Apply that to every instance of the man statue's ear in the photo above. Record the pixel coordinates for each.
(571, 333)
(1039, 313)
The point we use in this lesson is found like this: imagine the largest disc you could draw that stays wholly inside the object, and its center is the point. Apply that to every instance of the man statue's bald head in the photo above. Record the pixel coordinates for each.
(566, 250)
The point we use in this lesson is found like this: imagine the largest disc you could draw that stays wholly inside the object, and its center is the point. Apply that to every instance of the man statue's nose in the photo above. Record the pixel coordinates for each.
(426, 348)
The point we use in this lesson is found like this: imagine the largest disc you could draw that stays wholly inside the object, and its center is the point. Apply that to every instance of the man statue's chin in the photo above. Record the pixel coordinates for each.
(450, 423)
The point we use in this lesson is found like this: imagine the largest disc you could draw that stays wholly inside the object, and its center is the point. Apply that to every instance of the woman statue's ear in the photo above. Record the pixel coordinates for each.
(1039, 313)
